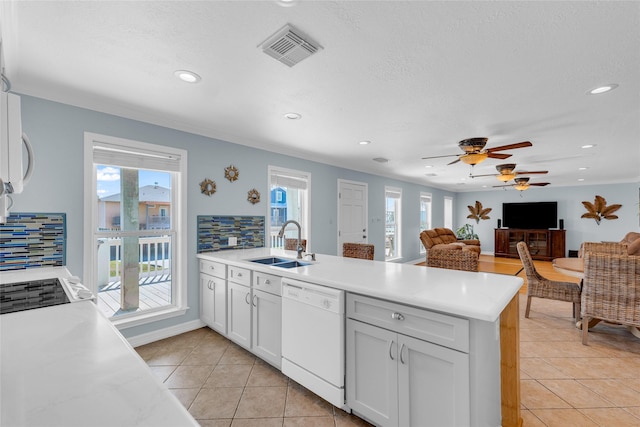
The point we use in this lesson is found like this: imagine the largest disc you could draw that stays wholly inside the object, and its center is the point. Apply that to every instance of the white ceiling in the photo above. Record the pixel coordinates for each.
(413, 77)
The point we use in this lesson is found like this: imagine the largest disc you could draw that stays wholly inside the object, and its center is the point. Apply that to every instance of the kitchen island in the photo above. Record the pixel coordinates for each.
(487, 302)
(67, 365)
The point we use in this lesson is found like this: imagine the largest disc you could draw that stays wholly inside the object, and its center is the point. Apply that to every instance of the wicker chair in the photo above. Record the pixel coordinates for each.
(610, 290)
(541, 287)
(450, 255)
(358, 250)
(615, 248)
(291, 244)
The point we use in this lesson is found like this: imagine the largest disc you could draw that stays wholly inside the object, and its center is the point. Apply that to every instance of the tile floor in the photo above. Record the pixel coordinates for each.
(563, 383)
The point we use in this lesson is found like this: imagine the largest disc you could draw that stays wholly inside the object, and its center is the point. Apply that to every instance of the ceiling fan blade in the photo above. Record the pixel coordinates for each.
(539, 184)
(455, 161)
(500, 186)
(480, 176)
(522, 144)
(531, 172)
(498, 155)
(438, 157)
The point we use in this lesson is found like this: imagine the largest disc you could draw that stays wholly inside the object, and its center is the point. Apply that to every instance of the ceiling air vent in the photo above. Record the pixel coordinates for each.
(290, 46)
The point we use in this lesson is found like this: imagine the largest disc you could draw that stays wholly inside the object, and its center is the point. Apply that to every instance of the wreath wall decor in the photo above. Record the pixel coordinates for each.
(253, 196)
(599, 210)
(231, 173)
(207, 187)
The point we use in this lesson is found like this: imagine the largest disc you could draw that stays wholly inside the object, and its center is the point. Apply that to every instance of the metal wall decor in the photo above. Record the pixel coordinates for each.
(253, 196)
(231, 173)
(207, 187)
(598, 210)
(478, 212)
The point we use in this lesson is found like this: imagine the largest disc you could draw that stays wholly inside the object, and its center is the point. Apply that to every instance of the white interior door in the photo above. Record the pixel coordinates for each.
(352, 213)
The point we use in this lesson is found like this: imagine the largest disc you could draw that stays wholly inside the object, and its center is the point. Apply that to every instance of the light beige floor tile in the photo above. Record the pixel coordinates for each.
(262, 402)
(215, 423)
(614, 391)
(263, 375)
(530, 420)
(563, 418)
(303, 403)
(147, 351)
(535, 395)
(187, 376)
(309, 422)
(228, 376)
(213, 403)
(538, 368)
(611, 417)
(576, 394)
(546, 335)
(235, 355)
(342, 419)
(257, 422)
(204, 356)
(185, 395)
(588, 367)
(632, 383)
(168, 356)
(162, 372)
(633, 410)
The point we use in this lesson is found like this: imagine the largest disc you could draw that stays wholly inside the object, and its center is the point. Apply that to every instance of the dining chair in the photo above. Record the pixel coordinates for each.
(541, 287)
(358, 250)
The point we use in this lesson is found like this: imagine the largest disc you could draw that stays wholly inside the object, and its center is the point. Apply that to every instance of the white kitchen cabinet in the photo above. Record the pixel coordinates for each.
(397, 380)
(266, 341)
(213, 295)
(239, 314)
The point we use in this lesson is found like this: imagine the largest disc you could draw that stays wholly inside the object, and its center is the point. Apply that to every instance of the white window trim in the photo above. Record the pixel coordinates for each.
(423, 196)
(444, 213)
(306, 228)
(398, 255)
(179, 201)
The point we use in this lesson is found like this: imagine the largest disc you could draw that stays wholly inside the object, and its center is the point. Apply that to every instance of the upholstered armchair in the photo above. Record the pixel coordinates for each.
(444, 250)
(610, 290)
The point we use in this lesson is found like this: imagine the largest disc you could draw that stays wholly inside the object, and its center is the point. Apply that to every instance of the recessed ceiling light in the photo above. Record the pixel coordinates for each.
(583, 168)
(580, 179)
(428, 166)
(603, 89)
(380, 160)
(187, 76)
(588, 146)
(292, 116)
(287, 3)
(364, 142)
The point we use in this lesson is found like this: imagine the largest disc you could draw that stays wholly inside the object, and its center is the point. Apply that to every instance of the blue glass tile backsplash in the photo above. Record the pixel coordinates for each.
(214, 232)
(30, 240)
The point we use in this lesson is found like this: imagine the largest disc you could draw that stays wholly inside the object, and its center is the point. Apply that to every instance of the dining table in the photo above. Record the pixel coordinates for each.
(574, 267)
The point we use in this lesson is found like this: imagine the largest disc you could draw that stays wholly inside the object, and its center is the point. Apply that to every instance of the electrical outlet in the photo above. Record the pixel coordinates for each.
(233, 241)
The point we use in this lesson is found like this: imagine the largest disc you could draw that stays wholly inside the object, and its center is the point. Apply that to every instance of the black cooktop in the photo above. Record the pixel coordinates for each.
(22, 296)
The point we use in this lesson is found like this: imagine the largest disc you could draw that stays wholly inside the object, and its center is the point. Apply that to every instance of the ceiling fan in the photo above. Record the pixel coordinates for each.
(474, 151)
(507, 172)
(522, 184)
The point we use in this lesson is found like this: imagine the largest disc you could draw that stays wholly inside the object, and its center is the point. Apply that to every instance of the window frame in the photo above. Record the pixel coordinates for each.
(448, 212)
(426, 199)
(179, 279)
(395, 193)
(305, 223)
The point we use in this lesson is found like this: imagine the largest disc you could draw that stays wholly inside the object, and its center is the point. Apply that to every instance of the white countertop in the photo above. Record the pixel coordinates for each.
(480, 296)
(67, 365)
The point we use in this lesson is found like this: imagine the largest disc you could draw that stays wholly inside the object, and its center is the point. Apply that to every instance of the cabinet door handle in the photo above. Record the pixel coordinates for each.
(255, 298)
(239, 274)
(397, 316)
(401, 358)
(210, 285)
(267, 282)
(390, 348)
(246, 298)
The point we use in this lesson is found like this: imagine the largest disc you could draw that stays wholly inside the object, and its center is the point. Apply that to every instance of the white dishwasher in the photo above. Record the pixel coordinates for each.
(313, 347)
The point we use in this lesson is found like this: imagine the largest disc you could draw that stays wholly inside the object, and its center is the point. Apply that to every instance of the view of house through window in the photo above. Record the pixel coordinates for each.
(288, 200)
(425, 215)
(393, 220)
(134, 230)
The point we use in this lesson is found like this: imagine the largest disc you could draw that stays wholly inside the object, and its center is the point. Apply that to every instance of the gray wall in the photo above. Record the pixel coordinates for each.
(57, 131)
(570, 208)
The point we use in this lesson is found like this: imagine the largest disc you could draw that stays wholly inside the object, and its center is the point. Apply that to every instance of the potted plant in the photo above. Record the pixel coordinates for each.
(466, 233)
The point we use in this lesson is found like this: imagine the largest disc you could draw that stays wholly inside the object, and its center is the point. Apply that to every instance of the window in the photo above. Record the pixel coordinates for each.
(289, 194)
(448, 212)
(425, 215)
(135, 228)
(393, 222)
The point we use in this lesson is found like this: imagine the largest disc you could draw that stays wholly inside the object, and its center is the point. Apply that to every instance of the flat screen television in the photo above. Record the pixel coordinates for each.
(537, 215)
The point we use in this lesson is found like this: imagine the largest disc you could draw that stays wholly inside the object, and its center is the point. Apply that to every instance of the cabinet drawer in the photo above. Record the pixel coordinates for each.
(213, 268)
(267, 283)
(239, 275)
(448, 331)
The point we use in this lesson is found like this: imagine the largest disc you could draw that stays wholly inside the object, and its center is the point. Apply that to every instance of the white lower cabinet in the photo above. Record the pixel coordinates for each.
(397, 380)
(266, 339)
(213, 297)
(239, 314)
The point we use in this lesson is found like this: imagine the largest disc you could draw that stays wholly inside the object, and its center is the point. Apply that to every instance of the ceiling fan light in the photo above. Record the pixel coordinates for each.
(506, 177)
(521, 187)
(474, 158)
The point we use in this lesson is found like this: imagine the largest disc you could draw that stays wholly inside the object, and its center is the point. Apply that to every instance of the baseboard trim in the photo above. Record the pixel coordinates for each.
(149, 337)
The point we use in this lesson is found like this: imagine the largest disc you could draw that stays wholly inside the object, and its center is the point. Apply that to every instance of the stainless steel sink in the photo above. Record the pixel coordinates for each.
(280, 262)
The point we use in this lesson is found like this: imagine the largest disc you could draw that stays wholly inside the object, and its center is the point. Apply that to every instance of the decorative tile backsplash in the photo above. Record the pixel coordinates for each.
(214, 232)
(31, 240)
